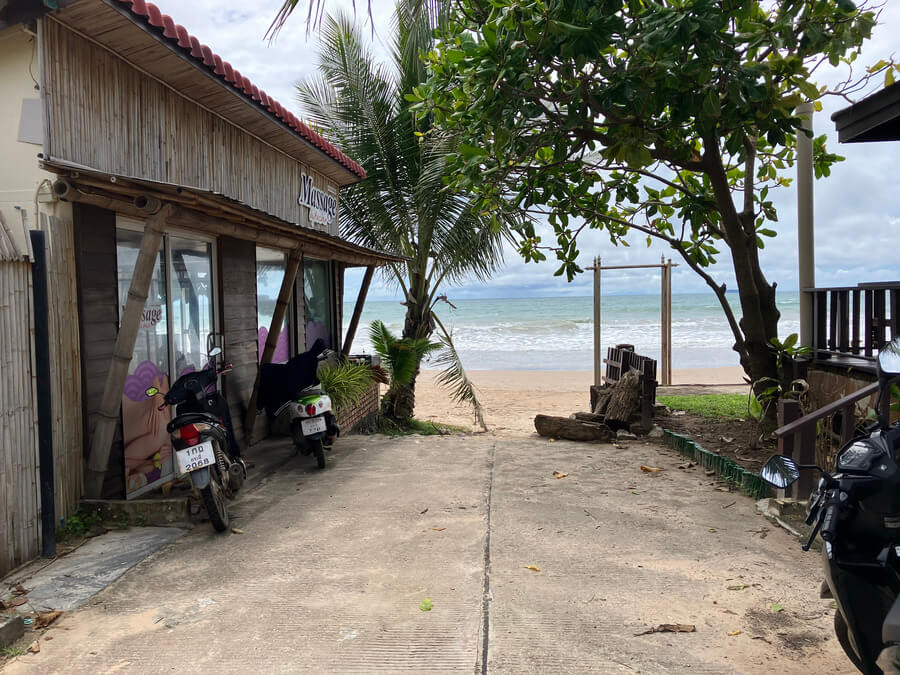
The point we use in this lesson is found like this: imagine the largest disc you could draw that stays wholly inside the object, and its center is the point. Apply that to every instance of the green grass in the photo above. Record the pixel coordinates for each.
(11, 651)
(714, 406)
(414, 426)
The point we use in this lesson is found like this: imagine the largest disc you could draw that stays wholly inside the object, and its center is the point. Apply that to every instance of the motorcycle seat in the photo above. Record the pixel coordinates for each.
(311, 389)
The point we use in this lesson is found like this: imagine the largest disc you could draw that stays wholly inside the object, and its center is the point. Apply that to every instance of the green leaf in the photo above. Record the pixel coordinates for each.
(888, 77)
(776, 607)
(756, 409)
(789, 342)
(426, 605)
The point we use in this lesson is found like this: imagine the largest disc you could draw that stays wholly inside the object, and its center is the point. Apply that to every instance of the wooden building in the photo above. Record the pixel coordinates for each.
(180, 203)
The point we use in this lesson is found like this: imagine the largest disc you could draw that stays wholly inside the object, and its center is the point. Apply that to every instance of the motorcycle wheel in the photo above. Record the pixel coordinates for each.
(216, 507)
(319, 451)
(843, 637)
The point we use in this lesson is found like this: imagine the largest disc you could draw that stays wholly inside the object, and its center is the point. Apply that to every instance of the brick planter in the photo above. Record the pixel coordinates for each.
(361, 417)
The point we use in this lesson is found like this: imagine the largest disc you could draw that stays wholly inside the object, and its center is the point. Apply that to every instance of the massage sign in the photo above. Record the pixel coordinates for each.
(322, 205)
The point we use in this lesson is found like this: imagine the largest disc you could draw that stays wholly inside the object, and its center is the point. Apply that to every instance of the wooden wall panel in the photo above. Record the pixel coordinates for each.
(65, 355)
(95, 253)
(239, 319)
(107, 115)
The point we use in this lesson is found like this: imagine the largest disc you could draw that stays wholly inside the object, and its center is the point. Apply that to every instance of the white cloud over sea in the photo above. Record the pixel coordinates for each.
(857, 209)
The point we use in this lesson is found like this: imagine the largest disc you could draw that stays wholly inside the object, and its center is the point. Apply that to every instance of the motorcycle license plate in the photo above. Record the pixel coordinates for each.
(313, 425)
(195, 457)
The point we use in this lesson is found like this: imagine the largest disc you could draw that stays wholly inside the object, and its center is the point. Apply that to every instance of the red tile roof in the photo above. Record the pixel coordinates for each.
(150, 14)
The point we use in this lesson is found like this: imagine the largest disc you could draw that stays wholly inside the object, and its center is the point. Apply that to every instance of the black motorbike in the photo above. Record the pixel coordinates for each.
(857, 513)
(203, 439)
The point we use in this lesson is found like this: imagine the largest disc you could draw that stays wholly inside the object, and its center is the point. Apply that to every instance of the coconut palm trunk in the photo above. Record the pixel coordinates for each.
(402, 207)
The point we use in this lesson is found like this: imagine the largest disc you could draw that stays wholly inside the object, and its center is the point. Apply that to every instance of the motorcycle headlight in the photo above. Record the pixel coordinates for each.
(857, 457)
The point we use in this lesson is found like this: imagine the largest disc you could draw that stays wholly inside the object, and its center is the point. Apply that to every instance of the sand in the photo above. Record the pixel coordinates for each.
(512, 398)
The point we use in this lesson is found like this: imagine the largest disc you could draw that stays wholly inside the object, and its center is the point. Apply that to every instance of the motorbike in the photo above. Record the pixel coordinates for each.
(202, 439)
(293, 389)
(856, 511)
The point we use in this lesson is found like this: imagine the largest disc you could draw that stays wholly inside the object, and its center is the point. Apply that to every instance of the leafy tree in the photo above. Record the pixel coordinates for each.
(402, 207)
(673, 119)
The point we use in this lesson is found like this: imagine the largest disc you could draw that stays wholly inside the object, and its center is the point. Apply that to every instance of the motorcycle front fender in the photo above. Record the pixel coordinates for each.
(200, 478)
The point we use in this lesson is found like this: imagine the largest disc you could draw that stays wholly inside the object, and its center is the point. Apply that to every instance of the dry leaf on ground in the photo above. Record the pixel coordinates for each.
(558, 475)
(533, 568)
(35, 647)
(738, 587)
(437, 529)
(732, 633)
(16, 602)
(671, 628)
(44, 619)
(237, 530)
(650, 469)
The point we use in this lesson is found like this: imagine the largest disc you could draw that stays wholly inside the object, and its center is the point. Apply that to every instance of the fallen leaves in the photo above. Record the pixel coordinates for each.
(16, 602)
(437, 529)
(237, 530)
(732, 633)
(35, 647)
(426, 605)
(776, 607)
(533, 568)
(738, 587)
(557, 475)
(650, 469)
(671, 628)
(44, 619)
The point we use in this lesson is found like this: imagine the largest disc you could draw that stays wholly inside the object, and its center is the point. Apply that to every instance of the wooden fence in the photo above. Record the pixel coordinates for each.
(20, 532)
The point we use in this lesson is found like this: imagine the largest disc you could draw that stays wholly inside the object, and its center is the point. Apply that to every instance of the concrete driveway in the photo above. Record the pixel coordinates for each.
(332, 566)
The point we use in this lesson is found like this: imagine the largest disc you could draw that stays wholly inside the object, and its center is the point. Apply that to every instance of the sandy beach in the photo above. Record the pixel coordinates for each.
(512, 398)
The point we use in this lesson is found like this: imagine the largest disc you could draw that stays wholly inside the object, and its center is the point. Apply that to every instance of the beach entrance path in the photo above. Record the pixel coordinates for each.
(524, 572)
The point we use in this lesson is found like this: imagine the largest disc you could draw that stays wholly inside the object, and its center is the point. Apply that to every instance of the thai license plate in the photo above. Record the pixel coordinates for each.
(195, 457)
(313, 425)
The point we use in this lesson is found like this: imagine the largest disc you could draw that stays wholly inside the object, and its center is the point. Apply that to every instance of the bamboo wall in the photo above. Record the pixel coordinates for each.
(20, 515)
(105, 114)
(65, 359)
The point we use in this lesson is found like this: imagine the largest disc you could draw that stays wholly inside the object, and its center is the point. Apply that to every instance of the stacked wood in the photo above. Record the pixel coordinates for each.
(572, 430)
(603, 397)
(624, 400)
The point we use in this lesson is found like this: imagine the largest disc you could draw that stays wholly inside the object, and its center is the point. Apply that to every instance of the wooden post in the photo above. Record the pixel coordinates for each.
(598, 356)
(284, 298)
(666, 323)
(111, 403)
(357, 310)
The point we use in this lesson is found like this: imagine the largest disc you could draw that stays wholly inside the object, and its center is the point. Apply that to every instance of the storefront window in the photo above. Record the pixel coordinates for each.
(192, 294)
(270, 269)
(317, 301)
(176, 322)
(148, 451)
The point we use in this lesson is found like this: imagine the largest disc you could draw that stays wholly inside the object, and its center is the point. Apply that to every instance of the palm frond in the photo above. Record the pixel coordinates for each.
(401, 356)
(454, 377)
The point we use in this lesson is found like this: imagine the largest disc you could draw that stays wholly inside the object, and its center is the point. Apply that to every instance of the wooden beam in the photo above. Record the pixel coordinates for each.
(357, 310)
(130, 323)
(281, 306)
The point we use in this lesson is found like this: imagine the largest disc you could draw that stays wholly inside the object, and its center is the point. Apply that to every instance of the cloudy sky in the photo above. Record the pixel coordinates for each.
(857, 209)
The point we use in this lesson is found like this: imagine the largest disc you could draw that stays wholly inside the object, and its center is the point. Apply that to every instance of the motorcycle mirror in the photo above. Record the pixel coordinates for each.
(889, 358)
(151, 392)
(215, 351)
(780, 471)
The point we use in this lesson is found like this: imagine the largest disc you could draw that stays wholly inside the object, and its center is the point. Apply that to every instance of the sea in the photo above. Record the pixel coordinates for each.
(557, 333)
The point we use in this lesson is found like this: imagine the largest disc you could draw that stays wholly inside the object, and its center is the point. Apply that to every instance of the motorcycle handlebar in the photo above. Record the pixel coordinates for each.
(829, 522)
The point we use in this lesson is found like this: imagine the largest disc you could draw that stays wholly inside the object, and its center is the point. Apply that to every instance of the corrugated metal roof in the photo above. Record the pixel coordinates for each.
(179, 38)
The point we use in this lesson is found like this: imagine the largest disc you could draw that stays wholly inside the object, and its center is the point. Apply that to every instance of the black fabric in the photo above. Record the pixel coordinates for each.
(280, 382)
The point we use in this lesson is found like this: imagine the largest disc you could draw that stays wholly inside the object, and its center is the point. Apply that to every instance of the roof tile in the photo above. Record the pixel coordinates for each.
(148, 12)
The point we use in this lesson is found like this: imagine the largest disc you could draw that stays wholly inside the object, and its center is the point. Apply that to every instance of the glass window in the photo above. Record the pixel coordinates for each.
(317, 301)
(192, 302)
(270, 269)
(148, 451)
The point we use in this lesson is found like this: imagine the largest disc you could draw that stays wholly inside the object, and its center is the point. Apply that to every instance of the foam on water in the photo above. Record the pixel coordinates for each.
(557, 333)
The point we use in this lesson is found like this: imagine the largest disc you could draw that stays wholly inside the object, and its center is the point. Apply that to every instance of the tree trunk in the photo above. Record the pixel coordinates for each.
(400, 401)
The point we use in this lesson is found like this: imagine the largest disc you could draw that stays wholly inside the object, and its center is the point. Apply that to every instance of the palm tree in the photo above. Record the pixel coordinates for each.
(402, 207)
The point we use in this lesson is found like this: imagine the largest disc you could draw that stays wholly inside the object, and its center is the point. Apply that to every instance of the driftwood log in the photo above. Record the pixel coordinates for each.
(587, 417)
(624, 400)
(572, 430)
(603, 397)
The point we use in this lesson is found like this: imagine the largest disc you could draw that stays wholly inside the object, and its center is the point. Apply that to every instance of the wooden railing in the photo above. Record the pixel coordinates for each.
(854, 322)
(797, 435)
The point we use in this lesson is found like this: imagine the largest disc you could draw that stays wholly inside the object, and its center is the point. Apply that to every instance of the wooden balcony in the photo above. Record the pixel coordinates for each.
(851, 323)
